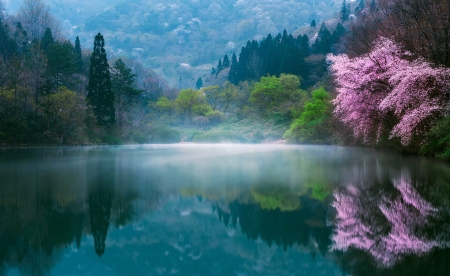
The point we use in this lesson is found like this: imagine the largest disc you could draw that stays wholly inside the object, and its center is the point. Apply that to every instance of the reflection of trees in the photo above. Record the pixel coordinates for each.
(284, 228)
(273, 197)
(100, 202)
(389, 225)
(123, 210)
(33, 234)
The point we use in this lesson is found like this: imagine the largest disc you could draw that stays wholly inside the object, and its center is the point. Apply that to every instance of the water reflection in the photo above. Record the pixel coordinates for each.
(219, 210)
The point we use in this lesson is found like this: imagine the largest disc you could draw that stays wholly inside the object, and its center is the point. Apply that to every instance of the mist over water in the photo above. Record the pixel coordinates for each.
(222, 209)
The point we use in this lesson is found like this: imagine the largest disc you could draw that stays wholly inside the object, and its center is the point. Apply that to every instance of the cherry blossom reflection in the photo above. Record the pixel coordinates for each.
(389, 226)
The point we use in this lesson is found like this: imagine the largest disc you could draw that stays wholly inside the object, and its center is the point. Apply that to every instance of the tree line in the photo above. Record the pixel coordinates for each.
(54, 92)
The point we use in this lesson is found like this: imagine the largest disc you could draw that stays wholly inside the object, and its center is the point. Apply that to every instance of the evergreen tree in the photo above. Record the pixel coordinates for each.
(78, 55)
(373, 5)
(47, 40)
(361, 6)
(123, 87)
(313, 23)
(100, 96)
(219, 67)
(345, 11)
(7, 44)
(61, 63)
(199, 83)
(304, 46)
(213, 71)
(244, 57)
(21, 38)
(226, 62)
(233, 75)
(323, 42)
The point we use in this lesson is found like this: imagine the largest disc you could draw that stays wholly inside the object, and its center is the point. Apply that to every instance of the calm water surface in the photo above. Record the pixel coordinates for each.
(222, 210)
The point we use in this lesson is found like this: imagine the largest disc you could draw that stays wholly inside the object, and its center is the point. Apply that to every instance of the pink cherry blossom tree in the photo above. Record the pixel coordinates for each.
(385, 90)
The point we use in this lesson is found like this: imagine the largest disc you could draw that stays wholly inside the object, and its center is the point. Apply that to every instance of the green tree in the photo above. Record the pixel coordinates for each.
(323, 42)
(212, 94)
(36, 61)
(219, 67)
(312, 126)
(100, 96)
(64, 116)
(124, 90)
(266, 92)
(226, 62)
(78, 56)
(233, 76)
(345, 11)
(47, 40)
(199, 83)
(61, 63)
(191, 102)
(228, 96)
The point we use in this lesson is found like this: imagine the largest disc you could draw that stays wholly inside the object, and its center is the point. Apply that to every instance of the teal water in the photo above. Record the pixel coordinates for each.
(222, 210)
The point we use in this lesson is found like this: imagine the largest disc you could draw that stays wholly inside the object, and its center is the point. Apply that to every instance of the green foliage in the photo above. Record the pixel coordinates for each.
(124, 90)
(219, 136)
(312, 125)
(271, 198)
(61, 63)
(163, 134)
(266, 93)
(438, 140)
(191, 102)
(165, 105)
(100, 96)
(215, 117)
(64, 116)
(199, 83)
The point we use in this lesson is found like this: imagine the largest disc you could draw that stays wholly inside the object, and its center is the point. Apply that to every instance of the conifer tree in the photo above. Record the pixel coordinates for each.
(21, 38)
(323, 42)
(373, 5)
(78, 55)
(219, 67)
(226, 62)
(61, 62)
(313, 23)
(123, 87)
(233, 75)
(244, 57)
(345, 11)
(47, 40)
(199, 83)
(100, 96)
(304, 46)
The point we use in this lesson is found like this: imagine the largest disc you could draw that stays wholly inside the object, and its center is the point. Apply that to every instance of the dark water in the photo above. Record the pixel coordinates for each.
(222, 210)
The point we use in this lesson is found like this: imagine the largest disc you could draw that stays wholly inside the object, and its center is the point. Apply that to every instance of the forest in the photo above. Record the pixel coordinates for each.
(376, 74)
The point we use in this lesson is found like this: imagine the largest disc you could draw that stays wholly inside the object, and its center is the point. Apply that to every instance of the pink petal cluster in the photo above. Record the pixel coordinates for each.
(405, 215)
(386, 89)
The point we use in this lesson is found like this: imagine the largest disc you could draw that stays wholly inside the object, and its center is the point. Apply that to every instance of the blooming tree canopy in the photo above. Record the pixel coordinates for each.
(386, 90)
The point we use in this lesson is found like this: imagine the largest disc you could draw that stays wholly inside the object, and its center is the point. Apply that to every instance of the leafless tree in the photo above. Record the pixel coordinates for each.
(35, 18)
(421, 26)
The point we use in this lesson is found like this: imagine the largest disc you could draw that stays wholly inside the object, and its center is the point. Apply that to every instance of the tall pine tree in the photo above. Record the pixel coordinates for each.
(78, 55)
(345, 11)
(233, 76)
(226, 62)
(100, 96)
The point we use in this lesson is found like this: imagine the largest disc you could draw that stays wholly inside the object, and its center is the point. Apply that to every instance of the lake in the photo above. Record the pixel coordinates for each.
(222, 209)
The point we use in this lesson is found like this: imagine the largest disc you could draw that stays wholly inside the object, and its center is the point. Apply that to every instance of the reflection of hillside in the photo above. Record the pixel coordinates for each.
(284, 228)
